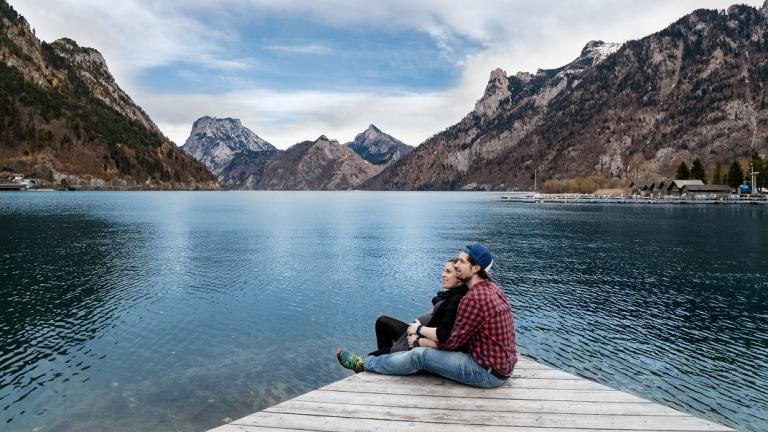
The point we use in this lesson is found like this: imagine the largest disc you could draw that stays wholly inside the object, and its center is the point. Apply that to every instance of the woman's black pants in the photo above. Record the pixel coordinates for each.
(388, 330)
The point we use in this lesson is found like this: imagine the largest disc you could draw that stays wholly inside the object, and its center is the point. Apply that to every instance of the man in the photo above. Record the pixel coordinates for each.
(483, 321)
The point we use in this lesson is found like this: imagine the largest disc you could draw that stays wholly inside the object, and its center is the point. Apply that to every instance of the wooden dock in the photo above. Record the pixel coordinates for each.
(537, 398)
(13, 187)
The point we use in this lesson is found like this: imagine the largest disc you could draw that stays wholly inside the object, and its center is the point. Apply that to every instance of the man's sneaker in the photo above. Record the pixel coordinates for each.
(349, 360)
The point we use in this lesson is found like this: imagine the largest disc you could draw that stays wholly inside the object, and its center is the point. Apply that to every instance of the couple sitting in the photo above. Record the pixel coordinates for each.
(469, 338)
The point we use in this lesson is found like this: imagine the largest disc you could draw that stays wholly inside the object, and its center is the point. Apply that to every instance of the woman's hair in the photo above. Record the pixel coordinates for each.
(482, 273)
(452, 261)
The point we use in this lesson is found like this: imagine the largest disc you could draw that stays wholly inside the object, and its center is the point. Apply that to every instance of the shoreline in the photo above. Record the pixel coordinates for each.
(597, 199)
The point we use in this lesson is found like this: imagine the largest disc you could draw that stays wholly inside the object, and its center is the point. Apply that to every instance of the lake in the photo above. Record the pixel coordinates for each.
(159, 311)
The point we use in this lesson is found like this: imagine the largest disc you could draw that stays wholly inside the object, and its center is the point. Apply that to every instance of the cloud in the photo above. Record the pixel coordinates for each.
(132, 34)
(138, 35)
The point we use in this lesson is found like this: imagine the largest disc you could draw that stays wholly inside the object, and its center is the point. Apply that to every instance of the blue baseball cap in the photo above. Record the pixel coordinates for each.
(480, 254)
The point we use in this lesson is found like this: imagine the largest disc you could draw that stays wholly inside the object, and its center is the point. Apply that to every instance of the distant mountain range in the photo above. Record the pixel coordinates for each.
(629, 111)
(65, 118)
(242, 160)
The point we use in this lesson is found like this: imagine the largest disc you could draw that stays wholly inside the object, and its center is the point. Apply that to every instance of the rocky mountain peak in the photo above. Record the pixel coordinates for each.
(524, 76)
(216, 141)
(210, 123)
(81, 56)
(598, 50)
(91, 67)
(496, 91)
(321, 164)
(378, 147)
(764, 8)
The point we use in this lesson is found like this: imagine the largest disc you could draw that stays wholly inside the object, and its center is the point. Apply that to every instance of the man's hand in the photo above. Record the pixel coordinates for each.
(411, 340)
(412, 328)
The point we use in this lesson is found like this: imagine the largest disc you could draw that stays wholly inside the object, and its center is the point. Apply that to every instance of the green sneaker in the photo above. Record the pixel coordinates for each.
(349, 360)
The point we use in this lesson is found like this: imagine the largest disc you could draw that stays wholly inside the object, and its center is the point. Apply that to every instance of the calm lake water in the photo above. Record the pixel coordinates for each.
(183, 310)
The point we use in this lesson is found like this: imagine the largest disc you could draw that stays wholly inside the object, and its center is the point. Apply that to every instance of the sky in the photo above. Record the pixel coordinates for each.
(294, 70)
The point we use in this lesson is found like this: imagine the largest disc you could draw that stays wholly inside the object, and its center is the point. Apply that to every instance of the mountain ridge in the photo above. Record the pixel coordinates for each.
(320, 164)
(629, 111)
(65, 118)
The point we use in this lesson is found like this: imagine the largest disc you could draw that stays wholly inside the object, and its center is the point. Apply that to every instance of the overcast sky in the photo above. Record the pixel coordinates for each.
(293, 70)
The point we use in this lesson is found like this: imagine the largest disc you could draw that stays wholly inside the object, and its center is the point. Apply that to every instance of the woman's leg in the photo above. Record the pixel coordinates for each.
(388, 330)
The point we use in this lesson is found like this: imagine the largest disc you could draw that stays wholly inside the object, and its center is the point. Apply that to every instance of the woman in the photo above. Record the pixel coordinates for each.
(391, 333)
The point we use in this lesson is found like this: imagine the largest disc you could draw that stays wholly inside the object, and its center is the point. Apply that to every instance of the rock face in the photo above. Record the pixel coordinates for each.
(378, 147)
(64, 116)
(322, 164)
(215, 142)
(92, 70)
(629, 111)
(246, 169)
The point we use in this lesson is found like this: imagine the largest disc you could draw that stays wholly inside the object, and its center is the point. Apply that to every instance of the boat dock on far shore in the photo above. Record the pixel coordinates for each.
(13, 187)
(538, 398)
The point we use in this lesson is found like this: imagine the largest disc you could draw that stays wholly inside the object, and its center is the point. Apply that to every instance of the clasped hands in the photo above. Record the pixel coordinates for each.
(412, 335)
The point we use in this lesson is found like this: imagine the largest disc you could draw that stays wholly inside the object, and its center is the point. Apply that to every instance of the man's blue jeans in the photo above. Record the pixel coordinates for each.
(454, 365)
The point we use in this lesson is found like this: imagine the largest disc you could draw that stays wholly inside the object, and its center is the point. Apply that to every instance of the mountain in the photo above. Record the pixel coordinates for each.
(242, 160)
(629, 111)
(216, 142)
(378, 147)
(65, 118)
(322, 164)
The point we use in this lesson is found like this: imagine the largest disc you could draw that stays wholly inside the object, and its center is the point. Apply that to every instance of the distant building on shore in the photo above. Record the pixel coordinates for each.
(676, 188)
(706, 191)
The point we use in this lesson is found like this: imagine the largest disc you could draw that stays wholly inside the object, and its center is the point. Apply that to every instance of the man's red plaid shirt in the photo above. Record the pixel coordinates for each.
(484, 321)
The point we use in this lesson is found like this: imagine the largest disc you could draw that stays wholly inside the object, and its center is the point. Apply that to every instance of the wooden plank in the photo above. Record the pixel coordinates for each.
(518, 373)
(497, 393)
(468, 417)
(489, 405)
(329, 423)
(426, 378)
(530, 364)
(231, 427)
(561, 384)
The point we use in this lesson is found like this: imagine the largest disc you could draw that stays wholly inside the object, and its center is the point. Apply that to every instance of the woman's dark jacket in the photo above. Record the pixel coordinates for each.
(445, 305)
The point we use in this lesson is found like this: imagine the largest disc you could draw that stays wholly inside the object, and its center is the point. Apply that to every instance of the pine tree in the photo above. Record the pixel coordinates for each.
(697, 171)
(735, 175)
(717, 178)
(682, 172)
